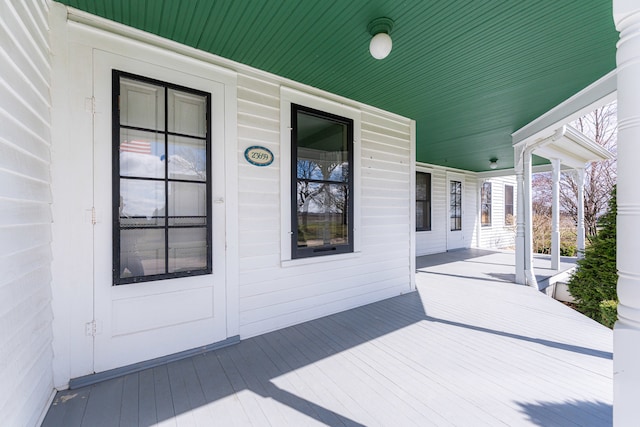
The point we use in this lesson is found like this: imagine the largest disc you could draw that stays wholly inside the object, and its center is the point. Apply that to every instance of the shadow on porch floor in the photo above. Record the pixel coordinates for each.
(457, 352)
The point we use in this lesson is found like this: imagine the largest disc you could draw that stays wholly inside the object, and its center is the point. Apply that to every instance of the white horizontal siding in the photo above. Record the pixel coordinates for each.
(435, 240)
(471, 212)
(26, 378)
(499, 235)
(273, 296)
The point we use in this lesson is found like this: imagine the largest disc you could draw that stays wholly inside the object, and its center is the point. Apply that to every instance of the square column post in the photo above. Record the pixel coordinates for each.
(580, 232)
(626, 332)
(520, 254)
(528, 221)
(555, 215)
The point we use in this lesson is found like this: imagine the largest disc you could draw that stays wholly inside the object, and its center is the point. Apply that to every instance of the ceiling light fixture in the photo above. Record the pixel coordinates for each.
(380, 45)
(493, 163)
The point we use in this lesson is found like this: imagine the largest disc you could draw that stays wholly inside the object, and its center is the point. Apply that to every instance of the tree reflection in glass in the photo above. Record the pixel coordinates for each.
(322, 220)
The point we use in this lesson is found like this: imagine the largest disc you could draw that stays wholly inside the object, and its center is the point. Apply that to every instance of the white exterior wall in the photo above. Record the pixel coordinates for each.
(26, 379)
(498, 235)
(276, 293)
(470, 214)
(435, 241)
(265, 291)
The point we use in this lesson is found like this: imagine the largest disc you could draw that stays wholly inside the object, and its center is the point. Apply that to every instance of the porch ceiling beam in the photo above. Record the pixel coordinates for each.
(570, 146)
(599, 93)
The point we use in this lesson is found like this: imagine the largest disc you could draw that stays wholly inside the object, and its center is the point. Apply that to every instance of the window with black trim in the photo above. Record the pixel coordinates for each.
(455, 205)
(161, 180)
(508, 204)
(321, 183)
(485, 204)
(423, 201)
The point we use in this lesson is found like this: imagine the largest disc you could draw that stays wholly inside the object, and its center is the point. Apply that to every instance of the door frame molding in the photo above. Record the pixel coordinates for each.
(72, 126)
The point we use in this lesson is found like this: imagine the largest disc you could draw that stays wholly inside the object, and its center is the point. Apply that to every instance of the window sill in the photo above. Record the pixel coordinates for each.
(318, 259)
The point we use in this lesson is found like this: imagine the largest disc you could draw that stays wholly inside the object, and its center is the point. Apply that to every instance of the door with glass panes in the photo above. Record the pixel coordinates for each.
(455, 201)
(159, 277)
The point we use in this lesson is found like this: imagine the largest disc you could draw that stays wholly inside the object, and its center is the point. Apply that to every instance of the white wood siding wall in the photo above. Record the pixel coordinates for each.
(498, 235)
(26, 379)
(470, 212)
(272, 295)
(435, 241)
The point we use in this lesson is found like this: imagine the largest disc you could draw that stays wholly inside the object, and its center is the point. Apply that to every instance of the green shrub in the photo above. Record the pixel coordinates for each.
(608, 313)
(595, 278)
(568, 249)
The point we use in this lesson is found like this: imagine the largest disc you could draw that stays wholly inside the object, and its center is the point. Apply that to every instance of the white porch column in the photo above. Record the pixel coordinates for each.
(528, 222)
(626, 335)
(524, 234)
(580, 202)
(555, 215)
(520, 254)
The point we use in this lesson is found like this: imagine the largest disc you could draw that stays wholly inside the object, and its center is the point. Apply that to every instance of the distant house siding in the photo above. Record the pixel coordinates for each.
(471, 212)
(498, 235)
(25, 217)
(274, 295)
(435, 240)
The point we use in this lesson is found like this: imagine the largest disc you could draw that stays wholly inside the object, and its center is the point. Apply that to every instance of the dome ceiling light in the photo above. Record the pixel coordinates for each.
(381, 43)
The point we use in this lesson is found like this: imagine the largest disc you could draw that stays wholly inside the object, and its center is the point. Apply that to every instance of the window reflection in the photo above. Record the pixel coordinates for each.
(162, 181)
(455, 205)
(322, 188)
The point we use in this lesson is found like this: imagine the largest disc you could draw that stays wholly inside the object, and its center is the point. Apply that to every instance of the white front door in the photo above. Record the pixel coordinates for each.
(141, 320)
(455, 217)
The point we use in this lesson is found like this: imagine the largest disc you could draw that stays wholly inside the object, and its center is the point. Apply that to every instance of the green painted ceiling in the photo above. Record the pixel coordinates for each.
(469, 72)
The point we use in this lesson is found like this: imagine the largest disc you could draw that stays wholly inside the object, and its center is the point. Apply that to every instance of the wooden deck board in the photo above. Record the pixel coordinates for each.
(224, 404)
(463, 350)
(164, 401)
(67, 408)
(147, 410)
(130, 401)
(104, 404)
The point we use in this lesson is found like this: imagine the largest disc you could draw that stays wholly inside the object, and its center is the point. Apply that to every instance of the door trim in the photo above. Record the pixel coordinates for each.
(108, 351)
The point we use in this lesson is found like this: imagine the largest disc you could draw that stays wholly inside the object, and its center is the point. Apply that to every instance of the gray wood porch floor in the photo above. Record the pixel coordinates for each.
(463, 351)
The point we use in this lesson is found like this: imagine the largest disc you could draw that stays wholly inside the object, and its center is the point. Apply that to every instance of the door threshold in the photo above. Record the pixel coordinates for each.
(95, 378)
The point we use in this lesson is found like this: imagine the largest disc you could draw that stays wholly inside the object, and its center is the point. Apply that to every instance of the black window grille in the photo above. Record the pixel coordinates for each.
(508, 205)
(485, 204)
(161, 180)
(321, 183)
(423, 201)
(455, 205)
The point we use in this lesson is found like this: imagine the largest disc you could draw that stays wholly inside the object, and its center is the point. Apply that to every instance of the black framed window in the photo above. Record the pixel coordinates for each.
(161, 180)
(485, 204)
(321, 183)
(423, 201)
(508, 205)
(455, 205)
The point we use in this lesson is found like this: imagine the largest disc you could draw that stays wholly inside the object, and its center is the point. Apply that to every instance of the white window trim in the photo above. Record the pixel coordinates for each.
(504, 204)
(430, 171)
(290, 96)
(454, 176)
(490, 225)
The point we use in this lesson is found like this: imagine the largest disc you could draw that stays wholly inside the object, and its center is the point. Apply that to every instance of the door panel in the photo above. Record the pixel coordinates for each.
(141, 321)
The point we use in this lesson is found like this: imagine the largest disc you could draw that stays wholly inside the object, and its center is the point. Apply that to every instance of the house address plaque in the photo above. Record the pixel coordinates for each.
(258, 156)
